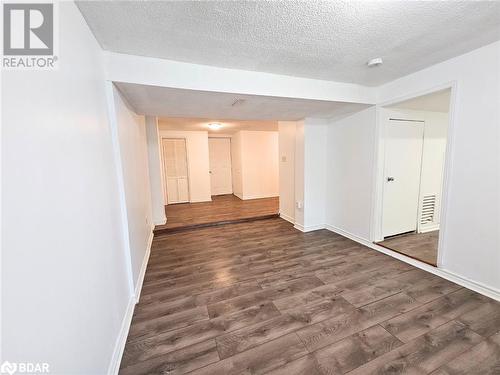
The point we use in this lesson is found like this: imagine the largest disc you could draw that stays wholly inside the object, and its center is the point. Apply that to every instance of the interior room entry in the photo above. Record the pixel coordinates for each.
(220, 166)
(403, 160)
(175, 170)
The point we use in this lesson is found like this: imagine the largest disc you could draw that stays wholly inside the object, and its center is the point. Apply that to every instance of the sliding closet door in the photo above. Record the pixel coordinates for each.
(175, 170)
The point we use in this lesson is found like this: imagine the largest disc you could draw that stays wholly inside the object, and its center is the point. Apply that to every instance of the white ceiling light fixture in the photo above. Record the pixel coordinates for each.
(214, 126)
(374, 62)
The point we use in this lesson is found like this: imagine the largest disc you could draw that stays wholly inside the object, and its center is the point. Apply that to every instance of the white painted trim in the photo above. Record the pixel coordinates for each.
(163, 222)
(249, 197)
(144, 266)
(448, 165)
(299, 227)
(429, 229)
(347, 234)
(238, 195)
(113, 125)
(445, 274)
(377, 196)
(308, 228)
(287, 218)
(121, 340)
(198, 201)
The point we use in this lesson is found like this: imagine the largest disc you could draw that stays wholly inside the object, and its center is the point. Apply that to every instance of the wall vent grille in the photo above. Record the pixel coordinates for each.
(428, 209)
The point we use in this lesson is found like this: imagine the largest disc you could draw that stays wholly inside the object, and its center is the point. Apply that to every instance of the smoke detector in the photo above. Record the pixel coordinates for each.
(374, 62)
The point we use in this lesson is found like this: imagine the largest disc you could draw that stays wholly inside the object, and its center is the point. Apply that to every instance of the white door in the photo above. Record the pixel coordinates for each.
(403, 159)
(221, 181)
(175, 170)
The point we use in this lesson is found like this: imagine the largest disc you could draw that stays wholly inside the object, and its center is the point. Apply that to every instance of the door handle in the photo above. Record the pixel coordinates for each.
(390, 179)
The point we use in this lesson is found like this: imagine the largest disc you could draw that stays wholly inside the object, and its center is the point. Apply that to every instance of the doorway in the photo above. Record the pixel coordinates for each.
(175, 168)
(221, 180)
(414, 139)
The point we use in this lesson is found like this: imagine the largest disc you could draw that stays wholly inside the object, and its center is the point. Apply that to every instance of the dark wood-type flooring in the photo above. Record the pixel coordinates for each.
(420, 246)
(222, 209)
(264, 298)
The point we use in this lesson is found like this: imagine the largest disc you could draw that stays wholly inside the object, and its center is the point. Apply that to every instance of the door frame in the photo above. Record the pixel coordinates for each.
(164, 168)
(376, 232)
(230, 158)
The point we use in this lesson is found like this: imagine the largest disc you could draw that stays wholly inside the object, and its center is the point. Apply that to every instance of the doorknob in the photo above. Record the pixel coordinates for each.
(390, 179)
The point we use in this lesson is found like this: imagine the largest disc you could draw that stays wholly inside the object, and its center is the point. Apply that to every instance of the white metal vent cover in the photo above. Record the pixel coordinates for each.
(428, 212)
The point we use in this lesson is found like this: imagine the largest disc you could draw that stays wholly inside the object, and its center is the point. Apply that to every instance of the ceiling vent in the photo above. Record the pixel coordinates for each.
(238, 102)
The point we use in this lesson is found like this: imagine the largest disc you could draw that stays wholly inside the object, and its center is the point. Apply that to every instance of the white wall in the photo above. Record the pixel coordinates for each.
(64, 281)
(155, 170)
(198, 162)
(134, 163)
(299, 175)
(236, 166)
(350, 163)
(286, 130)
(471, 235)
(175, 74)
(259, 164)
(315, 145)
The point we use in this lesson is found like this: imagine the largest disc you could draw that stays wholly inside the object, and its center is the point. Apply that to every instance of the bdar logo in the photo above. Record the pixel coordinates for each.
(8, 368)
(28, 29)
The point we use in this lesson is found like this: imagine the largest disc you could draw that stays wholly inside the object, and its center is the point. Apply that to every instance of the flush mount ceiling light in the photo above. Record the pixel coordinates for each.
(214, 126)
(374, 62)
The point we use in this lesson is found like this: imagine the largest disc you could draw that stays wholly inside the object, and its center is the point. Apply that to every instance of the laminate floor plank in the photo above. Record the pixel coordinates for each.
(221, 208)
(482, 359)
(343, 356)
(431, 315)
(424, 354)
(259, 297)
(259, 360)
(421, 246)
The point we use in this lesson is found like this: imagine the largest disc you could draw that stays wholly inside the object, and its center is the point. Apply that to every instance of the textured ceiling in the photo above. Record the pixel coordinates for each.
(436, 102)
(323, 40)
(169, 102)
(227, 126)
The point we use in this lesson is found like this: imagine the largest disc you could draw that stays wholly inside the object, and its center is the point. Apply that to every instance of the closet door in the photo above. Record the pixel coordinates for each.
(221, 181)
(403, 157)
(176, 170)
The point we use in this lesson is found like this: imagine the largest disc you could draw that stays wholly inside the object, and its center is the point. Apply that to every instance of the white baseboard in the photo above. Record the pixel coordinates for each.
(309, 228)
(114, 366)
(473, 285)
(430, 229)
(144, 266)
(116, 359)
(445, 274)
(249, 197)
(287, 218)
(347, 234)
(161, 222)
